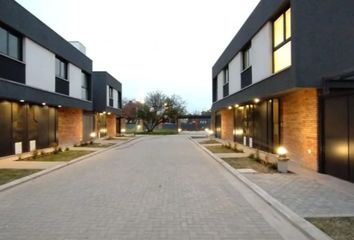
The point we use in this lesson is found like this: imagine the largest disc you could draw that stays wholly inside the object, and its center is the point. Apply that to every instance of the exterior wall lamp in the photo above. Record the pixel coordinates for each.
(283, 159)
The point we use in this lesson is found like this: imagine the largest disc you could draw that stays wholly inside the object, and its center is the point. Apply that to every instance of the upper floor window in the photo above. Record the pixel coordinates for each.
(282, 41)
(61, 69)
(85, 87)
(110, 96)
(246, 61)
(226, 76)
(119, 99)
(10, 44)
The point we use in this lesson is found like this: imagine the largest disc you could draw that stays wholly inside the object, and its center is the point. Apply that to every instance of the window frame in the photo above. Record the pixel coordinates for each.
(58, 72)
(110, 92)
(85, 86)
(285, 39)
(226, 76)
(246, 55)
(19, 47)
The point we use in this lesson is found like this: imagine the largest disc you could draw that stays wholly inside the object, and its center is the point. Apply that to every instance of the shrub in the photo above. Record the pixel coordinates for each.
(35, 154)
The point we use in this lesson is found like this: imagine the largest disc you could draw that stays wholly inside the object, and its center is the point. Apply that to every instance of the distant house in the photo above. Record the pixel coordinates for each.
(46, 93)
(272, 85)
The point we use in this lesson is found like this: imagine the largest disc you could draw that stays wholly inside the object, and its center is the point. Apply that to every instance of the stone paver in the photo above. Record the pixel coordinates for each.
(307, 196)
(151, 188)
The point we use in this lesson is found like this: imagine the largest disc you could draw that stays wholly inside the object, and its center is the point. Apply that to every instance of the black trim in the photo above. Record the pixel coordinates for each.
(12, 69)
(246, 77)
(16, 91)
(275, 85)
(62, 86)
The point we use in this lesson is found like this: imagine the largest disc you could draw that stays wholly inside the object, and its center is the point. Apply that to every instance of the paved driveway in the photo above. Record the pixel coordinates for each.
(151, 188)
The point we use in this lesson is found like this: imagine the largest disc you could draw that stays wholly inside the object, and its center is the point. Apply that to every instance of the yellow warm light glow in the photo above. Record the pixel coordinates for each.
(288, 24)
(93, 134)
(241, 107)
(229, 107)
(257, 100)
(109, 113)
(278, 29)
(123, 130)
(282, 57)
(179, 130)
(239, 132)
(282, 151)
(236, 105)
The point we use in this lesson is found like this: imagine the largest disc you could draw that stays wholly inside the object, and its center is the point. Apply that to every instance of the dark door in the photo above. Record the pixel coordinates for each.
(338, 137)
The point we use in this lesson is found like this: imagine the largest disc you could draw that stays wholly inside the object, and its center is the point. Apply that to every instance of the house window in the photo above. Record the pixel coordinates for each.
(85, 87)
(61, 69)
(110, 95)
(246, 61)
(226, 76)
(282, 41)
(10, 44)
(119, 99)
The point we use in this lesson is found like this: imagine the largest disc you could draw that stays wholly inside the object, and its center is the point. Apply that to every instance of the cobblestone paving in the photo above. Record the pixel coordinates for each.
(154, 188)
(305, 196)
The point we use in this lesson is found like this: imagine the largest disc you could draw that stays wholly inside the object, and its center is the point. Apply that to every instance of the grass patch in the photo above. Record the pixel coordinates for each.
(221, 149)
(97, 145)
(209, 142)
(8, 175)
(59, 157)
(338, 228)
(241, 163)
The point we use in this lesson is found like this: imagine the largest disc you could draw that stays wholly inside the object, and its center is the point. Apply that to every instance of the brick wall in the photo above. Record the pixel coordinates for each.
(111, 125)
(299, 126)
(227, 125)
(70, 126)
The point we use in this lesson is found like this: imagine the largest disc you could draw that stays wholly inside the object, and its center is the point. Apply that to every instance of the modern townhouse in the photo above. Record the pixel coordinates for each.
(285, 79)
(107, 99)
(45, 85)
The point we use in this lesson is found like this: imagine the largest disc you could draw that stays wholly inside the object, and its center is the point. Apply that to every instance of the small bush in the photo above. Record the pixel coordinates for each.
(67, 149)
(35, 154)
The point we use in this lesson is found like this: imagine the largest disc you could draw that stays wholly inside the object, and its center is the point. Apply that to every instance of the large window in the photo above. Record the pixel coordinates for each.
(246, 61)
(226, 82)
(282, 41)
(110, 95)
(10, 44)
(61, 69)
(85, 87)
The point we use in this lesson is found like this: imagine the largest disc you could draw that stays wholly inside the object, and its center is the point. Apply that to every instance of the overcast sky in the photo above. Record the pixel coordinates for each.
(148, 45)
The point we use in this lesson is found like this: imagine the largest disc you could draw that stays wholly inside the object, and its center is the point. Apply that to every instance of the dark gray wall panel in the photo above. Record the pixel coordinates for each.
(12, 69)
(14, 91)
(6, 147)
(322, 39)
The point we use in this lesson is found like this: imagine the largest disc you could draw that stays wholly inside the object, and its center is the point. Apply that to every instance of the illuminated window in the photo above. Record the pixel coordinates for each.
(282, 41)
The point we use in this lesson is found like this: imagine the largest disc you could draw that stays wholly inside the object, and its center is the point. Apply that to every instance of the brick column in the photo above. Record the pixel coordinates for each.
(111, 125)
(227, 125)
(70, 127)
(299, 126)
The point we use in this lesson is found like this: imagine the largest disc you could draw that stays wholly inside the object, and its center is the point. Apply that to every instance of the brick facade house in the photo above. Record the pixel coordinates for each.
(270, 84)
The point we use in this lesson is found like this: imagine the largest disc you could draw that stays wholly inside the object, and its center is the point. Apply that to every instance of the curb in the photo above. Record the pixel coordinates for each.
(300, 223)
(28, 178)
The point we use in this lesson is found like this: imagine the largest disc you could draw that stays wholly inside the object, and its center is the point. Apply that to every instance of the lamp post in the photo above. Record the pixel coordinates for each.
(283, 159)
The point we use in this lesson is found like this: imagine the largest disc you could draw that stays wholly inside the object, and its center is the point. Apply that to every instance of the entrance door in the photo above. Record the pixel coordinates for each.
(338, 136)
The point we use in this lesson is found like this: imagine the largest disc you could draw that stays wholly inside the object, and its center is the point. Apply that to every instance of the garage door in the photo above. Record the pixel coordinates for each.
(338, 136)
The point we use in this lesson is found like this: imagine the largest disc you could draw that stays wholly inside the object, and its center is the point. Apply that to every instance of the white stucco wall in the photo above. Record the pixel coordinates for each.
(75, 79)
(220, 85)
(261, 54)
(235, 67)
(40, 66)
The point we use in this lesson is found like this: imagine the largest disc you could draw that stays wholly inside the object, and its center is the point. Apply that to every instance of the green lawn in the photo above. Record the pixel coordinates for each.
(209, 142)
(97, 145)
(338, 228)
(8, 175)
(242, 163)
(220, 149)
(60, 156)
